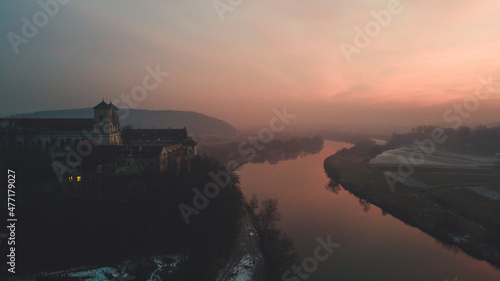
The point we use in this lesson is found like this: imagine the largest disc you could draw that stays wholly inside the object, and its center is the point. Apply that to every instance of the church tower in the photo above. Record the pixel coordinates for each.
(107, 124)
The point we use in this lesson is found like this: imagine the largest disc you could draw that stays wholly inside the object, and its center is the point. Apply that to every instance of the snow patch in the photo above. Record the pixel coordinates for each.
(438, 158)
(488, 193)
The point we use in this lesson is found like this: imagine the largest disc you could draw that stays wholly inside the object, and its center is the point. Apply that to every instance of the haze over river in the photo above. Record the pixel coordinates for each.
(373, 246)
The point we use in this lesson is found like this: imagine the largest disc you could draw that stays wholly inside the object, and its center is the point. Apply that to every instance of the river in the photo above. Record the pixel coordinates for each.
(373, 246)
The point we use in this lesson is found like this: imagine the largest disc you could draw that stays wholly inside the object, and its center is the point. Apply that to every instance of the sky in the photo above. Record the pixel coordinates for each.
(327, 61)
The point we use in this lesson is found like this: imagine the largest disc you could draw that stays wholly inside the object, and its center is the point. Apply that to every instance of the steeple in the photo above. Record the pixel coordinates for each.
(107, 123)
(102, 105)
(112, 106)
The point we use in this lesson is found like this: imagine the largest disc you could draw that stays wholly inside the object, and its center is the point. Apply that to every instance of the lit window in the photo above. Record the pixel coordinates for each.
(78, 179)
(70, 179)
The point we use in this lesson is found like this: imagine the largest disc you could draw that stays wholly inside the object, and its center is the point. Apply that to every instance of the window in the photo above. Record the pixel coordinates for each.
(70, 179)
(78, 179)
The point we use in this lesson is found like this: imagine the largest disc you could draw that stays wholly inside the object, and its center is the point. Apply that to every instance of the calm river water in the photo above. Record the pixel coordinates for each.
(373, 246)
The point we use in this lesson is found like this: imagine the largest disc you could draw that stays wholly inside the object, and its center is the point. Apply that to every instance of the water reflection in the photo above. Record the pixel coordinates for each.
(272, 153)
(333, 186)
(374, 246)
(366, 205)
(292, 149)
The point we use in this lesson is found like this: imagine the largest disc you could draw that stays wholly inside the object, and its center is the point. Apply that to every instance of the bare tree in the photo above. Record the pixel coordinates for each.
(254, 202)
(269, 214)
(278, 251)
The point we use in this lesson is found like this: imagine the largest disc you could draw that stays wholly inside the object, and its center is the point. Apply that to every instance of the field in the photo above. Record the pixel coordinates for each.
(458, 205)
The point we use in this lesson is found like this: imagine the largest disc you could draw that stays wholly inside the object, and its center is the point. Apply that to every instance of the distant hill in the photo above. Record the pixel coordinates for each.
(196, 123)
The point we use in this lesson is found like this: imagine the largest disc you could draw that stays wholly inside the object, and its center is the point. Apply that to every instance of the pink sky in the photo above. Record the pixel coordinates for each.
(266, 55)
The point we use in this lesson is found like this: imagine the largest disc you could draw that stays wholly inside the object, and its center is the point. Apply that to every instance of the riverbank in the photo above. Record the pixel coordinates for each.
(447, 206)
(245, 262)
